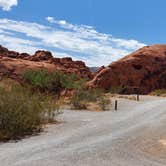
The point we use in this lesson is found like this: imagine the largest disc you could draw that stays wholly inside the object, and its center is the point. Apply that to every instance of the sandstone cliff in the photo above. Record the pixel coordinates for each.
(140, 72)
(13, 64)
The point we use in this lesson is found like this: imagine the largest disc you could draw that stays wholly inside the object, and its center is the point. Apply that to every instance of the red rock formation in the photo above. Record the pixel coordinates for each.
(14, 64)
(6, 53)
(40, 55)
(139, 72)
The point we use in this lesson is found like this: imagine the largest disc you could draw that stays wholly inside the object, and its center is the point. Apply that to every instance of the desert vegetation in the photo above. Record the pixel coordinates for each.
(85, 98)
(159, 92)
(23, 112)
(117, 90)
(129, 97)
(55, 82)
(52, 82)
(26, 107)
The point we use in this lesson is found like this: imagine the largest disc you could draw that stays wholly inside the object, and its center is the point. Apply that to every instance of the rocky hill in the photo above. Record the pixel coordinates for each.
(13, 64)
(140, 72)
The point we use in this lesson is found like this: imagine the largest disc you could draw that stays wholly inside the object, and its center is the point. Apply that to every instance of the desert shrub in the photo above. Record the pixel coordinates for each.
(117, 90)
(43, 80)
(159, 92)
(83, 96)
(23, 112)
(103, 103)
(77, 104)
(69, 81)
(6, 82)
(93, 95)
(78, 100)
(51, 81)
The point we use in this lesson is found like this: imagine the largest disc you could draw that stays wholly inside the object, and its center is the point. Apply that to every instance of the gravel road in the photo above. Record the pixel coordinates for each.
(135, 135)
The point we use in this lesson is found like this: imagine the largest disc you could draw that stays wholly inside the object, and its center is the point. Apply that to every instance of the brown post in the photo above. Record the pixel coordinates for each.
(116, 105)
(137, 97)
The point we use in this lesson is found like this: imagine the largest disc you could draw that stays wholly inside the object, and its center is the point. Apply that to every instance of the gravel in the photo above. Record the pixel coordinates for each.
(134, 135)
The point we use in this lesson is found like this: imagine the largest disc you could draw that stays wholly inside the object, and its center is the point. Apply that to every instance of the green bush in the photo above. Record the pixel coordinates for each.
(50, 81)
(23, 112)
(42, 79)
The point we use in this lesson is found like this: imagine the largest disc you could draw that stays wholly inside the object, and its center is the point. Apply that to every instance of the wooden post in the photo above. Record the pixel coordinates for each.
(116, 105)
(137, 97)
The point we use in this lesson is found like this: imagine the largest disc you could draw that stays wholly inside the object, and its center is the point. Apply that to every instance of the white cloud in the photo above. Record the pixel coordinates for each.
(128, 44)
(65, 39)
(50, 19)
(7, 4)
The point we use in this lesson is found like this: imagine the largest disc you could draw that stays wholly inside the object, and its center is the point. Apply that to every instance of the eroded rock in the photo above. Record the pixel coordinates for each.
(140, 72)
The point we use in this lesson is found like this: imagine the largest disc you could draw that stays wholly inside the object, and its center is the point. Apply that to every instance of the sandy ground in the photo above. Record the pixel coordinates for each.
(135, 135)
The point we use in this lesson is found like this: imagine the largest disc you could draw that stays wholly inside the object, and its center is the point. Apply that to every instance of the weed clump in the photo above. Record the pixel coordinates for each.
(159, 92)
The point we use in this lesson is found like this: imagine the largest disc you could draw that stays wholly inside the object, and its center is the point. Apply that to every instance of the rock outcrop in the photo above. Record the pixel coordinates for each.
(13, 64)
(140, 72)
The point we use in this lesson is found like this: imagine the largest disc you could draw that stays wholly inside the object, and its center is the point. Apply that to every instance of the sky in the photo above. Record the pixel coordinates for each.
(95, 31)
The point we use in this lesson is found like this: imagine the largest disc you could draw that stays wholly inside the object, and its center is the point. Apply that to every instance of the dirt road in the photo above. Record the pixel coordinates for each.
(135, 135)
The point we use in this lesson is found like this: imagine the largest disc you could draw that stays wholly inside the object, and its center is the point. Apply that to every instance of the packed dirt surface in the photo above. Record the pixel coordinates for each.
(135, 135)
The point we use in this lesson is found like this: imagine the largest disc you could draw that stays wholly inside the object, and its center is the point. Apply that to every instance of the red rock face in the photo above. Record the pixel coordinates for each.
(140, 72)
(14, 64)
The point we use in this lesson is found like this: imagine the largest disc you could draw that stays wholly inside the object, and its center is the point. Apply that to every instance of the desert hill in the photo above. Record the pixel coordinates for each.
(13, 64)
(140, 72)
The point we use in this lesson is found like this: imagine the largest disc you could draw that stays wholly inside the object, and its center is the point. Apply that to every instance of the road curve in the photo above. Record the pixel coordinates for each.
(134, 135)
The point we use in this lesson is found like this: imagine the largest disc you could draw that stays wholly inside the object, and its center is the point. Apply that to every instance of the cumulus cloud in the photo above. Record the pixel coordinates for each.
(81, 42)
(8, 4)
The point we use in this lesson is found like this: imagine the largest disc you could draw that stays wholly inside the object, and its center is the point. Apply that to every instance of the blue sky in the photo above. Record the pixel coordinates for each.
(96, 31)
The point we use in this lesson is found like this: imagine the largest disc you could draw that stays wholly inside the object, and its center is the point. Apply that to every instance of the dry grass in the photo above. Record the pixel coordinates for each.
(159, 92)
(8, 83)
(93, 100)
(129, 97)
(103, 105)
